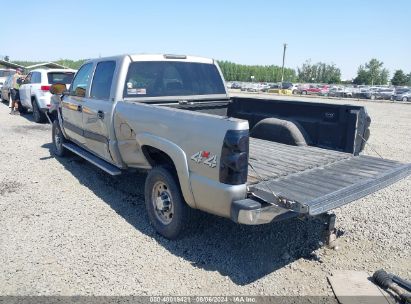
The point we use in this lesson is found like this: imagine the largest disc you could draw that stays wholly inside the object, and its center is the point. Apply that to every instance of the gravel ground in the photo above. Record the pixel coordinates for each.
(67, 228)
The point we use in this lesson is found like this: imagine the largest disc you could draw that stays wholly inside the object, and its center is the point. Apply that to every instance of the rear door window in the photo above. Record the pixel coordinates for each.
(102, 80)
(80, 82)
(60, 77)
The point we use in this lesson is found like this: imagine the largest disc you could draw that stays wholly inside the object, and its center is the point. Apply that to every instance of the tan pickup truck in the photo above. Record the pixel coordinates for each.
(252, 160)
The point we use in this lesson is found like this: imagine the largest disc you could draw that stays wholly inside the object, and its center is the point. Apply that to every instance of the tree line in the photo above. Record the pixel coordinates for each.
(259, 73)
(370, 73)
(309, 73)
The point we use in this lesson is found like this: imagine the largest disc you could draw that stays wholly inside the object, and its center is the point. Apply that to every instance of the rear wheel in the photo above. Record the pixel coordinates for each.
(372, 97)
(166, 208)
(304, 92)
(38, 116)
(58, 139)
(404, 99)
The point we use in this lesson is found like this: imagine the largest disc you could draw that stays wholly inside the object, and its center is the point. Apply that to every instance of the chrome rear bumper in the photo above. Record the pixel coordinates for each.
(251, 212)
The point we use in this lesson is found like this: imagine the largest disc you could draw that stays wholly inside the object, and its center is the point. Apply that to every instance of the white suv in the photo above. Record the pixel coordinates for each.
(34, 91)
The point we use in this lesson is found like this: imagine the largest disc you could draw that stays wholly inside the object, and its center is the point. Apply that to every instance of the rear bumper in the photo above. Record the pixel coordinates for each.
(251, 212)
(43, 102)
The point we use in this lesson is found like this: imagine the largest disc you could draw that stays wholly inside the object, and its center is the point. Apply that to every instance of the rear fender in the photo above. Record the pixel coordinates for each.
(178, 157)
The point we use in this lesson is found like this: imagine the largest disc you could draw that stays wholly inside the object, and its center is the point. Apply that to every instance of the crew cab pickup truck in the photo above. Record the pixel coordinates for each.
(251, 160)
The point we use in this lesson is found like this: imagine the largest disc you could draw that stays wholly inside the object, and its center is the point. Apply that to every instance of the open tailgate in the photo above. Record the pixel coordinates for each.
(320, 188)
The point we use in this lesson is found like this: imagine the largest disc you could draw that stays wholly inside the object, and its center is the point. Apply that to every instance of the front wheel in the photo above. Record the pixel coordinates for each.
(404, 99)
(304, 92)
(166, 208)
(58, 139)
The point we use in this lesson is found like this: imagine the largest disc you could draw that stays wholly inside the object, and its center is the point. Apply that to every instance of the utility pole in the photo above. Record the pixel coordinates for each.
(282, 69)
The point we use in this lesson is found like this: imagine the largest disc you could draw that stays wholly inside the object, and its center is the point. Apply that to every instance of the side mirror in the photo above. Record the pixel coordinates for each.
(58, 88)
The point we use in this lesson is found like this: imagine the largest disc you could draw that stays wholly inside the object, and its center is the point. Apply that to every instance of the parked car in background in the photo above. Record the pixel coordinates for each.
(380, 93)
(294, 88)
(366, 92)
(402, 95)
(286, 85)
(5, 89)
(4, 74)
(34, 91)
(235, 85)
(340, 92)
(314, 89)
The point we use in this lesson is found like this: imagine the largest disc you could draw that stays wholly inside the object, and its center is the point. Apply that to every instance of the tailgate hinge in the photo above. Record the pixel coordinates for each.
(278, 201)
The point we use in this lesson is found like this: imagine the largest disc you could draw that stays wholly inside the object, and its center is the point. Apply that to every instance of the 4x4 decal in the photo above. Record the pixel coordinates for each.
(206, 158)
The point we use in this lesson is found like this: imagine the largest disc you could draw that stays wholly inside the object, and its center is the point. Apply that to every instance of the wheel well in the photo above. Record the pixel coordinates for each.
(157, 157)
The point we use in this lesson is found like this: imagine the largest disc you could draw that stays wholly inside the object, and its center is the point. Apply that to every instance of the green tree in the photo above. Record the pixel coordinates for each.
(319, 72)
(399, 78)
(239, 72)
(374, 68)
(372, 73)
(362, 76)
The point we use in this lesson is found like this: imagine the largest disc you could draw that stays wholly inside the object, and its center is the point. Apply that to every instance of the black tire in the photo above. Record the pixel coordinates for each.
(404, 99)
(179, 211)
(304, 92)
(22, 110)
(38, 116)
(58, 140)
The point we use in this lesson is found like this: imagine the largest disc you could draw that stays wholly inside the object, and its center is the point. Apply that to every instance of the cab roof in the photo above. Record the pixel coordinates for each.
(156, 57)
(171, 57)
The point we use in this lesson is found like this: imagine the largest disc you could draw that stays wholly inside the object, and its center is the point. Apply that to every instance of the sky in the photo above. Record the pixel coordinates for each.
(346, 32)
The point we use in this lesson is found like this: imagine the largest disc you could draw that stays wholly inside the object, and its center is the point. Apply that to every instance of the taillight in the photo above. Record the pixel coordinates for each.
(234, 157)
(45, 88)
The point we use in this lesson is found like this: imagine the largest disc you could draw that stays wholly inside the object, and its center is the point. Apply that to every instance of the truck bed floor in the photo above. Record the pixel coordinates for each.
(271, 160)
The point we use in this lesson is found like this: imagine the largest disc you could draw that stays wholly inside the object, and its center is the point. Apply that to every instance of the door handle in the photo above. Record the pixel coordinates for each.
(80, 108)
(100, 114)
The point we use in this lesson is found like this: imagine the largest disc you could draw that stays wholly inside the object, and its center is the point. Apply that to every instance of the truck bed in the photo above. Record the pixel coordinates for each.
(273, 160)
(316, 179)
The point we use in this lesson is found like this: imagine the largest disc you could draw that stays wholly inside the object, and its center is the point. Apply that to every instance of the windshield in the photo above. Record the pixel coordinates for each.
(60, 77)
(172, 78)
